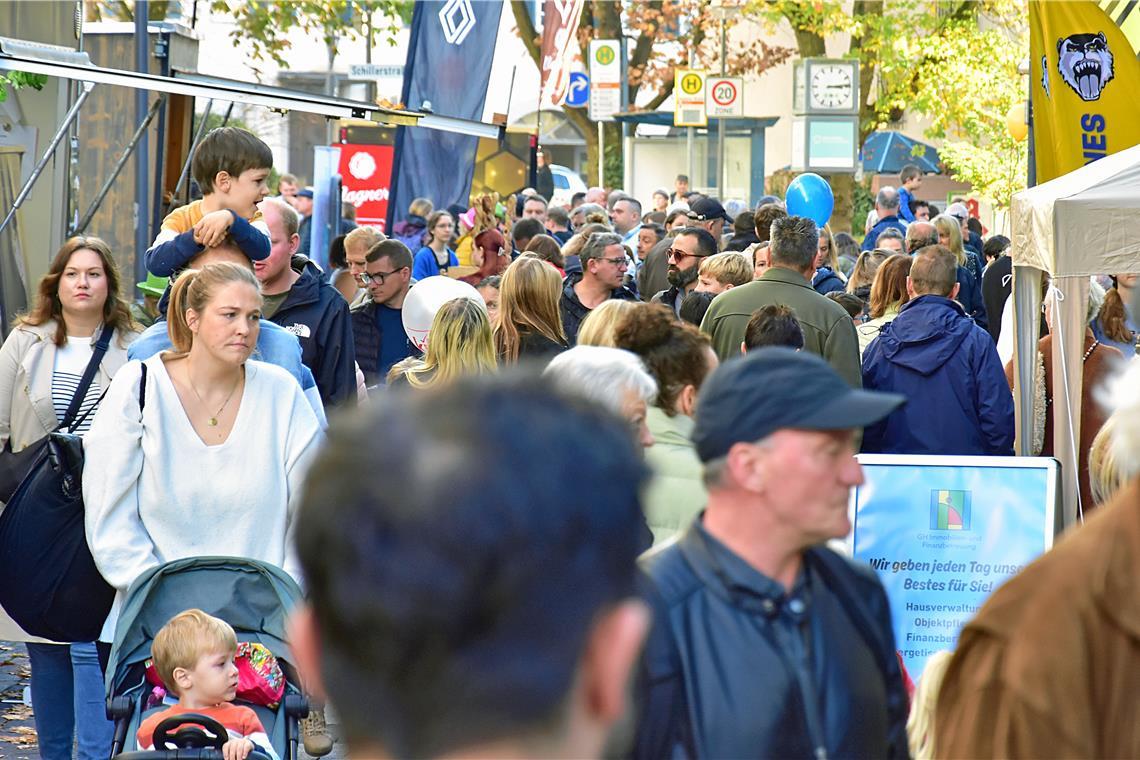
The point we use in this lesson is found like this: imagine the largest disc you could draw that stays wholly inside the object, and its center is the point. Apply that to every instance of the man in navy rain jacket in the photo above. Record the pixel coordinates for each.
(946, 366)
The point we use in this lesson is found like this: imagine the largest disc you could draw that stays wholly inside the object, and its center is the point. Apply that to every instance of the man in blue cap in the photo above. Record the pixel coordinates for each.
(766, 643)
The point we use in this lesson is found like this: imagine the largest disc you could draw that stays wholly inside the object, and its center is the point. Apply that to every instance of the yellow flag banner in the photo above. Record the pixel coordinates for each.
(1086, 86)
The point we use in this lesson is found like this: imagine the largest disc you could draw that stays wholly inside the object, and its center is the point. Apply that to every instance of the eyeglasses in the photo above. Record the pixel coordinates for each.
(618, 261)
(676, 254)
(367, 278)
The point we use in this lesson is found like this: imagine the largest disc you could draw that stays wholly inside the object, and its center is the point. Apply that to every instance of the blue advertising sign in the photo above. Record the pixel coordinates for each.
(578, 90)
(943, 532)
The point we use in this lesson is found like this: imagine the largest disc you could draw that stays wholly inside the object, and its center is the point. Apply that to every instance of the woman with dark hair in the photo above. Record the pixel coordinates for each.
(547, 249)
(888, 296)
(41, 366)
(529, 324)
(680, 357)
(436, 255)
(1116, 324)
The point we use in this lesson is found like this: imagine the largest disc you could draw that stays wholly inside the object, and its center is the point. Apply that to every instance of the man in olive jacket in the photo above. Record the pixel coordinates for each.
(828, 330)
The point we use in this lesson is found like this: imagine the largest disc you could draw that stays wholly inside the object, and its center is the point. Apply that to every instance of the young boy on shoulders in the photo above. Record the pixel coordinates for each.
(231, 167)
(194, 656)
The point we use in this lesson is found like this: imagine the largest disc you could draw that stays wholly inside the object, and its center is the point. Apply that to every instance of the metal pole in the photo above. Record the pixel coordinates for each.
(601, 155)
(130, 149)
(59, 133)
(142, 157)
(229, 110)
(720, 189)
(692, 158)
(193, 144)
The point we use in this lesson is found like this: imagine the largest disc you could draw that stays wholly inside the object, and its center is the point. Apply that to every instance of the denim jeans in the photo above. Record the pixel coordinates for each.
(68, 700)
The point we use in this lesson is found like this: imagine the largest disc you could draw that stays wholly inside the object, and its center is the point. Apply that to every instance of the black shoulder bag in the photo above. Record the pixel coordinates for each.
(49, 583)
(14, 467)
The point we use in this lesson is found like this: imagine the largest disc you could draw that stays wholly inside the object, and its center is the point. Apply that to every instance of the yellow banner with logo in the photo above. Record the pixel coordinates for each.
(1086, 86)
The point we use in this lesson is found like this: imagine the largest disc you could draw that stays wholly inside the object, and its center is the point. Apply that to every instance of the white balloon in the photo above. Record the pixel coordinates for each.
(425, 299)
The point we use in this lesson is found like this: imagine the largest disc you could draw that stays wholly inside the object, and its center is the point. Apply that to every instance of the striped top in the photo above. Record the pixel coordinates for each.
(70, 361)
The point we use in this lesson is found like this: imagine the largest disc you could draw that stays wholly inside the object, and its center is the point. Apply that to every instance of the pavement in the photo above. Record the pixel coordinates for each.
(17, 729)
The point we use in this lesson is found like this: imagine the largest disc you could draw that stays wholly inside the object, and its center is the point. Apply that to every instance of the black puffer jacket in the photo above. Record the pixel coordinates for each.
(573, 312)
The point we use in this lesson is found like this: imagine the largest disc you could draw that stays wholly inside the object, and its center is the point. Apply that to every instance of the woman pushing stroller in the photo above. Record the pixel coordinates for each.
(199, 451)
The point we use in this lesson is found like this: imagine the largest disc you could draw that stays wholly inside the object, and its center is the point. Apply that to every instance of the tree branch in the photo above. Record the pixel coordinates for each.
(527, 32)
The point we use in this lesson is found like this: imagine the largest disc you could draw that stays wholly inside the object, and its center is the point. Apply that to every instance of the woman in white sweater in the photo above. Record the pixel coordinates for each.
(213, 462)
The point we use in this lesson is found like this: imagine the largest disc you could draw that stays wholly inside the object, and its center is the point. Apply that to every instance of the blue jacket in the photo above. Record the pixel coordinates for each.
(826, 281)
(970, 296)
(275, 345)
(882, 224)
(905, 199)
(726, 672)
(317, 314)
(168, 256)
(425, 264)
(958, 400)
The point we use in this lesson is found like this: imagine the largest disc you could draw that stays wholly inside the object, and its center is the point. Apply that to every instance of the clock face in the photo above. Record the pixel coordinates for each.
(832, 87)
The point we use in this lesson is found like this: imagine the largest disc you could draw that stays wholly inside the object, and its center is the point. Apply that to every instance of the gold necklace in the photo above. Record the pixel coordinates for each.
(213, 421)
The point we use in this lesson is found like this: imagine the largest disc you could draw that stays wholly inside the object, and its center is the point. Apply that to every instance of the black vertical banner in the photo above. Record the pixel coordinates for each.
(450, 50)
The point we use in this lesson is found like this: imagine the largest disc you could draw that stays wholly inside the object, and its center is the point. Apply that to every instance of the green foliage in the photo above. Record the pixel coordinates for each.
(265, 24)
(864, 203)
(19, 79)
(951, 63)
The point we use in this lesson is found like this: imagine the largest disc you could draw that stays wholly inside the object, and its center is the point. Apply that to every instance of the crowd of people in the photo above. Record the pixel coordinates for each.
(617, 461)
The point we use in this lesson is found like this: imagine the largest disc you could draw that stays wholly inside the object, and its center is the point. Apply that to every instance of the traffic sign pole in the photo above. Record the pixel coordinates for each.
(720, 119)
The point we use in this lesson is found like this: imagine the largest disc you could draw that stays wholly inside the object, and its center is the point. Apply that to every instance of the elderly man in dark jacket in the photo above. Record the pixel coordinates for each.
(766, 643)
(948, 367)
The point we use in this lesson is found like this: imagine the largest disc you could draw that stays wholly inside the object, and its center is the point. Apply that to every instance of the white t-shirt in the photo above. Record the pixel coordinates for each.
(70, 362)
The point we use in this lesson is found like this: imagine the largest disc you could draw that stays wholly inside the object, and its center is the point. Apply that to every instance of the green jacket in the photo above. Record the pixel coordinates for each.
(676, 492)
(828, 330)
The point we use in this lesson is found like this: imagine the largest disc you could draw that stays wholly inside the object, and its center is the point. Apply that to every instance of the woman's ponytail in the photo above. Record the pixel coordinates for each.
(176, 325)
(1113, 318)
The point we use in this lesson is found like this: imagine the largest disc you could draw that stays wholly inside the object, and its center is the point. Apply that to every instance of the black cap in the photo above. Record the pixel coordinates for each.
(774, 388)
(704, 209)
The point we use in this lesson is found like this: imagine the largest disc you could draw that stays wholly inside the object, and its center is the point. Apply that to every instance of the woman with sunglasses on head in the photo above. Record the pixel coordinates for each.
(42, 364)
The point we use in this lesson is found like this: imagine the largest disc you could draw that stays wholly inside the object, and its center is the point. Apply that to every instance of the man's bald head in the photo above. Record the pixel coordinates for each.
(919, 235)
(227, 250)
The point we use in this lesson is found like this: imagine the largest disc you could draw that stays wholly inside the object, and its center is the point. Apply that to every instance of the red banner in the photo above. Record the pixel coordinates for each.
(560, 23)
(366, 178)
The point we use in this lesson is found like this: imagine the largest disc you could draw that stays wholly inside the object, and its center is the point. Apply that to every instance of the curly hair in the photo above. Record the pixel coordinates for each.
(676, 353)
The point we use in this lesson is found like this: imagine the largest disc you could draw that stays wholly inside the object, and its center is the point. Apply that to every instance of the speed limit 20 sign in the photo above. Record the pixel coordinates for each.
(725, 96)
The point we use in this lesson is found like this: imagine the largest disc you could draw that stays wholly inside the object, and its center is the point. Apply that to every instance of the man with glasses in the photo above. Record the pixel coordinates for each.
(377, 323)
(690, 247)
(604, 265)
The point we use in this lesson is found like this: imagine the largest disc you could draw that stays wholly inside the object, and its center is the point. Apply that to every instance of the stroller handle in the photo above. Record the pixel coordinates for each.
(206, 753)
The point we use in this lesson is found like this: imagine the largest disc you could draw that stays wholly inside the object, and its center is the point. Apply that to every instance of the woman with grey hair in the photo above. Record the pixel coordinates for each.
(615, 378)
(1100, 361)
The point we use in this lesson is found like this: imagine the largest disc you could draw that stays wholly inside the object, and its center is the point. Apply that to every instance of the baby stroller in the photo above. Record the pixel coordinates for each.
(254, 598)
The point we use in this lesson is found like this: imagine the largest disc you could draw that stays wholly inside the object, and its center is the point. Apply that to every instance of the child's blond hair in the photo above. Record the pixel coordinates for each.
(728, 268)
(186, 638)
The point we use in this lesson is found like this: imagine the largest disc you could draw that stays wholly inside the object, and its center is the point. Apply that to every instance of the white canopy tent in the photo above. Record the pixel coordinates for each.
(1081, 224)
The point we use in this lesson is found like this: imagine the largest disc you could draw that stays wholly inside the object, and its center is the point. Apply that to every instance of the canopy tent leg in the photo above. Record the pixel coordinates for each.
(1069, 313)
(126, 155)
(1026, 324)
(71, 115)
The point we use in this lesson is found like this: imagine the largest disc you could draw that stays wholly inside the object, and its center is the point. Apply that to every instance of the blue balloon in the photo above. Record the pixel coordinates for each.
(809, 195)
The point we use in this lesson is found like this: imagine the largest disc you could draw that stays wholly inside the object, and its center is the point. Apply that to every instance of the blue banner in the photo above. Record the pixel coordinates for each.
(450, 51)
(944, 532)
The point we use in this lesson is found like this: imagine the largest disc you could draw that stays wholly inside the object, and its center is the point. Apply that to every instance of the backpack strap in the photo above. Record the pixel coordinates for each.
(85, 382)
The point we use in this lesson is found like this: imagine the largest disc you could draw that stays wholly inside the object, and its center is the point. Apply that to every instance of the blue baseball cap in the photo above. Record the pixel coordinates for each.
(306, 192)
(775, 388)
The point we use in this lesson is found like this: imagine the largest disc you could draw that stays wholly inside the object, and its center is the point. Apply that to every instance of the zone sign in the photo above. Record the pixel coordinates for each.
(725, 96)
